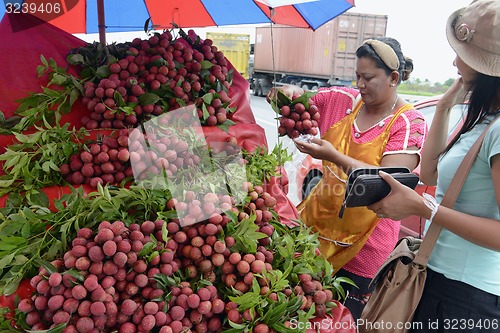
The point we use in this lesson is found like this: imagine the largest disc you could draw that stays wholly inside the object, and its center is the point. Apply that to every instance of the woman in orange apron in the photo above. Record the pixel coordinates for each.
(320, 209)
(379, 129)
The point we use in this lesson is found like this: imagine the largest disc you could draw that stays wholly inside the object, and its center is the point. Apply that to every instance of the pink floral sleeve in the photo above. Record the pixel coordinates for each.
(333, 104)
(407, 134)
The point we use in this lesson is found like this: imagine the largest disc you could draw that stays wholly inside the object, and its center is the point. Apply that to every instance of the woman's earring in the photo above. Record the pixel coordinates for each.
(392, 84)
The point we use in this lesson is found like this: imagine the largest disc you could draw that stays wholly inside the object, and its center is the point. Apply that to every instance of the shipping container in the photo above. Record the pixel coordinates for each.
(310, 58)
(236, 48)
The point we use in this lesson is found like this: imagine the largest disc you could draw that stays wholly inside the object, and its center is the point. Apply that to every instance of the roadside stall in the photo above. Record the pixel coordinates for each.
(138, 194)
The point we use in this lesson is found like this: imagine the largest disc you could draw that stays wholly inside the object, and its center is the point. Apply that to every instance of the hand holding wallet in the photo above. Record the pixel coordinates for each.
(365, 187)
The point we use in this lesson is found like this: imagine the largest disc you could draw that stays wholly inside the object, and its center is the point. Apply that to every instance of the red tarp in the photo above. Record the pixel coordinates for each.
(21, 52)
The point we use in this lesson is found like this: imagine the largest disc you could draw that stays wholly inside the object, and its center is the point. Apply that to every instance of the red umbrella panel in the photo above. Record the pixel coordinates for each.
(80, 16)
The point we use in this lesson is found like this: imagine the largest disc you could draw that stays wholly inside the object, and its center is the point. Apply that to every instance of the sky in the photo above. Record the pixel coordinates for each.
(419, 26)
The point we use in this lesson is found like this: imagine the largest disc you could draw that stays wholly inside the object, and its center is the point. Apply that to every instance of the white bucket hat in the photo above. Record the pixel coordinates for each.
(474, 33)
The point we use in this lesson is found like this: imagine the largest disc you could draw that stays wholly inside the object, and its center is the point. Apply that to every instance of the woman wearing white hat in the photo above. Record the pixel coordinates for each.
(462, 291)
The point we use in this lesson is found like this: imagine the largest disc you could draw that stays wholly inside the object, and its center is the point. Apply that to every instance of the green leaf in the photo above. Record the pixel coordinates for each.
(52, 63)
(58, 205)
(87, 73)
(247, 300)
(54, 249)
(148, 98)
(278, 313)
(23, 138)
(147, 249)
(280, 327)
(73, 96)
(44, 61)
(57, 329)
(7, 242)
(11, 159)
(6, 260)
(237, 326)
(75, 59)
(46, 166)
(165, 281)
(58, 79)
(76, 274)
(229, 77)
(64, 107)
(12, 285)
(225, 126)
(208, 98)
(47, 265)
(158, 63)
(205, 111)
(275, 107)
(282, 98)
(164, 232)
(120, 102)
(6, 183)
(247, 236)
(304, 98)
(233, 330)
(103, 72)
(112, 59)
(153, 255)
(205, 64)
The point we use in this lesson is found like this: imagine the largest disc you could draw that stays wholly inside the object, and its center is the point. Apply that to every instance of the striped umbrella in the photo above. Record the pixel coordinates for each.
(82, 16)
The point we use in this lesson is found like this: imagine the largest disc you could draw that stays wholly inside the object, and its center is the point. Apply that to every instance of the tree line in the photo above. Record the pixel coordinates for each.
(425, 87)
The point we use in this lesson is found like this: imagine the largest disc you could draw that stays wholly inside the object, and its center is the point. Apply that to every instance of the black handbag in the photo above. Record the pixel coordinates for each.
(364, 185)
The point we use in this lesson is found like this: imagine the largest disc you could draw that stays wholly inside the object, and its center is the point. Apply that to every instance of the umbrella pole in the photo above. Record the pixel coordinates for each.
(101, 21)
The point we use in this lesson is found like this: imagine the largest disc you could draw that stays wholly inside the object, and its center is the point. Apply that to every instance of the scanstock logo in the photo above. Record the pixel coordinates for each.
(44, 10)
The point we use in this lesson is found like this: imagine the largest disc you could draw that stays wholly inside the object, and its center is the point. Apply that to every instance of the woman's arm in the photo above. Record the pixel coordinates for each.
(288, 90)
(403, 202)
(402, 148)
(436, 140)
(324, 150)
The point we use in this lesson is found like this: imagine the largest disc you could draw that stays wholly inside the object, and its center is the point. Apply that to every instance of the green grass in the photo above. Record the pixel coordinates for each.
(417, 93)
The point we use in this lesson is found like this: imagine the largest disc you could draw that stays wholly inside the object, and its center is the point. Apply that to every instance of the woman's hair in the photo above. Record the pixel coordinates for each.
(483, 102)
(405, 63)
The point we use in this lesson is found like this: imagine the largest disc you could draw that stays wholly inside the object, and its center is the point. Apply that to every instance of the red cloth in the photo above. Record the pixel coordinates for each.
(248, 133)
(339, 321)
(23, 39)
(24, 290)
(277, 186)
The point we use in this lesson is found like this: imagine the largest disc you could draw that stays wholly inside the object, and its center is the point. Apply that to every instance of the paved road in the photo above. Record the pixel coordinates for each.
(266, 117)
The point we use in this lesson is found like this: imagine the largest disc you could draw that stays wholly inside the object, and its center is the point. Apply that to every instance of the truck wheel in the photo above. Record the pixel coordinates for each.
(260, 89)
(305, 87)
(257, 89)
(314, 88)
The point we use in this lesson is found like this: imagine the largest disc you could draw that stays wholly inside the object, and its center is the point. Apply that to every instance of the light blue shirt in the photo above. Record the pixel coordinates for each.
(453, 256)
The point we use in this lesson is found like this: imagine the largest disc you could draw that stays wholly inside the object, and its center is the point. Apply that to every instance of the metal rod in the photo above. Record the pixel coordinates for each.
(101, 21)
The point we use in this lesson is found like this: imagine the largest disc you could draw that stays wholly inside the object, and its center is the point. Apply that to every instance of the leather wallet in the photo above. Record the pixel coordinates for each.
(365, 187)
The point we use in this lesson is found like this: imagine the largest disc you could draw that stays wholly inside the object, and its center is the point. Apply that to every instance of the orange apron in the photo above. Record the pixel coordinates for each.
(321, 208)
